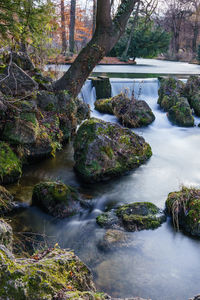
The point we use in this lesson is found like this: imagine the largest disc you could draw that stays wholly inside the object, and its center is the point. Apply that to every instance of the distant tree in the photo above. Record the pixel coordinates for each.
(72, 25)
(63, 26)
(147, 40)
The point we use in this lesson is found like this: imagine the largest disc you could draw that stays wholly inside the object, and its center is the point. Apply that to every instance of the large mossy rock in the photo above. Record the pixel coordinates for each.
(6, 235)
(22, 129)
(51, 274)
(15, 82)
(133, 217)
(56, 198)
(192, 87)
(133, 113)
(169, 88)
(184, 207)
(181, 114)
(10, 165)
(103, 150)
(102, 86)
(172, 99)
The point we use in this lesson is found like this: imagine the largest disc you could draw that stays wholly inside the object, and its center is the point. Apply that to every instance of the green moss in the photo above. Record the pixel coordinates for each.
(29, 117)
(10, 165)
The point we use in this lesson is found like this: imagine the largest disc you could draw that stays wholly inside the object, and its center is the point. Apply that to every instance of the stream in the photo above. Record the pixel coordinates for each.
(160, 264)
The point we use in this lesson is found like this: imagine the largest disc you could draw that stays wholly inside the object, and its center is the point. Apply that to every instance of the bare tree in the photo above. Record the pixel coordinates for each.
(72, 25)
(63, 28)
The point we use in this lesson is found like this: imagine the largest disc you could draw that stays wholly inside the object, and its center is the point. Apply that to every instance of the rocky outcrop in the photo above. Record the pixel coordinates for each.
(105, 105)
(180, 114)
(51, 274)
(15, 82)
(172, 99)
(10, 165)
(102, 86)
(133, 113)
(133, 217)
(130, 112)
(103, 150)
(56, 198)
(192, 92)
(6, 235)
(184, 207)
(21, 59)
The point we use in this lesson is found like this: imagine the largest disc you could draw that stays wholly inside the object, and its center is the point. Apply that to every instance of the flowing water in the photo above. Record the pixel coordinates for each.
(161, 264)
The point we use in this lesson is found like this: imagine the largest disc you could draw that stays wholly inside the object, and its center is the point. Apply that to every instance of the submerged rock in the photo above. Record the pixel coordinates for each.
(112, 239)
(133, 217)
(184, 207)
(102, 86)
(10, 165)
(103, 150)
(56, 198)
(6, 235)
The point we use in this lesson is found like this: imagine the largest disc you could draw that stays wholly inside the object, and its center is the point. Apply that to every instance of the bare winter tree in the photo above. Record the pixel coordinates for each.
(63, 28)
(72, 25)
(107, 33)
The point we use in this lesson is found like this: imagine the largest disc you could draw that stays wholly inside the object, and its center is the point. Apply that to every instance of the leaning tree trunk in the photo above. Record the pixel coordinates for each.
(63, 28)
(107, 33)
(72, 25)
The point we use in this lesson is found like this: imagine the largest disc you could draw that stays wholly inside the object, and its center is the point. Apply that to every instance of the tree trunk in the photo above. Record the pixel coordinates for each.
(72, 25)
(107, 33)
(94, 16)
(132, 31)
(63, 28)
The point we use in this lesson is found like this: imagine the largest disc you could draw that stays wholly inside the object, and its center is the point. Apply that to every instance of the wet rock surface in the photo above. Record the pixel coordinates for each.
(172, 98)
(133, 217)
(103, 150)
(56, 198)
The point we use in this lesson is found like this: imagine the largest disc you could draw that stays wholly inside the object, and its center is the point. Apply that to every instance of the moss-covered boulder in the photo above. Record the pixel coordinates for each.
(133, 217)
(51, 274)
(192, 87)
(181, 114)
(133, 113)
(103, 150)
(105, 105)
(169, 87)
(6, 235)
(10, 165)
(102, 86)
(195, 103)
(22, 129)
(184, 207)
(56, 198)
